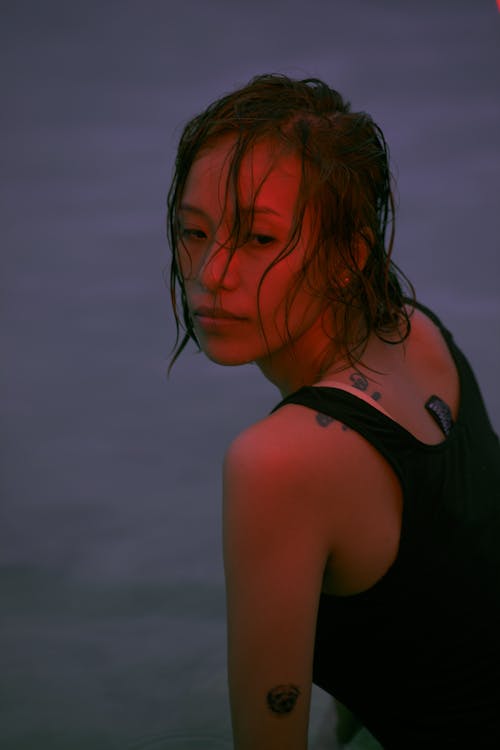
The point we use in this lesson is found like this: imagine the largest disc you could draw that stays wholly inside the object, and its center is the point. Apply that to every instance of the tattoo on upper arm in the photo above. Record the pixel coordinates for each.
(324, 420)
(282, 698)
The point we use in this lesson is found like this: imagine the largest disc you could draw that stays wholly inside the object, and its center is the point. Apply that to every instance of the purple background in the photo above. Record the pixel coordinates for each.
(113, 596)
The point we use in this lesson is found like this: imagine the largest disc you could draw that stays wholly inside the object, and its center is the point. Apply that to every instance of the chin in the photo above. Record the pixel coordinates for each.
(227, 359)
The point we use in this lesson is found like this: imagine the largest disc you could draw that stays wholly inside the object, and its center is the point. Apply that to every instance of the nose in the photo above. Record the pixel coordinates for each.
(217, 269)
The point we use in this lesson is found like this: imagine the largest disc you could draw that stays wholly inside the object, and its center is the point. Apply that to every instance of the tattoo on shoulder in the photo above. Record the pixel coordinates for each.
(360, 382)
(324, 420)
(282, 698)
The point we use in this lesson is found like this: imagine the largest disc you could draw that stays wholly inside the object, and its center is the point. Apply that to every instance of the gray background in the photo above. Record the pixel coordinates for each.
(113, 632)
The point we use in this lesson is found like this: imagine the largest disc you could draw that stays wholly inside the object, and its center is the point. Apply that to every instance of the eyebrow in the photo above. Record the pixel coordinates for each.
(244, 209)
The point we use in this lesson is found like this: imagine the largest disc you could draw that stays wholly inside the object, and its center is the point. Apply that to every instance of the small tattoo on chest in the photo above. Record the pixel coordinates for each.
(282, 698)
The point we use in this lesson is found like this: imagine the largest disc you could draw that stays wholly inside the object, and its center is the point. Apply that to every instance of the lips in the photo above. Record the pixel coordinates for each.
(207, 311)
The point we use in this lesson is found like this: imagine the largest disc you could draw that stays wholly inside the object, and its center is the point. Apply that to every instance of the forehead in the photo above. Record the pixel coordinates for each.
(266, 173)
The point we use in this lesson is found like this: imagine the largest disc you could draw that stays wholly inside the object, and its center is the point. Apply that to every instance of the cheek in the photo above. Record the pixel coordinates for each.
(185, 261)
(284, 299)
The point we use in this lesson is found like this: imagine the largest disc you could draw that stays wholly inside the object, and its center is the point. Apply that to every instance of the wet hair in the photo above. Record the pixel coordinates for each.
(345, 181)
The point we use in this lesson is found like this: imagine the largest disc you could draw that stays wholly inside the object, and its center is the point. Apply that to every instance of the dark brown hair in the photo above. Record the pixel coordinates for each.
(345, 181)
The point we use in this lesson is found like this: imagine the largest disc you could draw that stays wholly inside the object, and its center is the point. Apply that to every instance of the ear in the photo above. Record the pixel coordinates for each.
(362, 243)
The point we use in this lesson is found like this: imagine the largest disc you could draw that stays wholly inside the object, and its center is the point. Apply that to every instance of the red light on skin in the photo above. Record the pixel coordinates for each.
(215, 324)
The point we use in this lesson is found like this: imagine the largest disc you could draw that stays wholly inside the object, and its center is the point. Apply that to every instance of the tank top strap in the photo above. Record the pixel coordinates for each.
(470, 394)
(378, 428)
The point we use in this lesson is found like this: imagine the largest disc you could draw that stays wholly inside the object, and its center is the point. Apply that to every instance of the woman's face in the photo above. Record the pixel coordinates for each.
(204, 231)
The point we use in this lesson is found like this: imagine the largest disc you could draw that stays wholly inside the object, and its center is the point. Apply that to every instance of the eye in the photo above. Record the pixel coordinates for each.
(194, 234)
(262, 239)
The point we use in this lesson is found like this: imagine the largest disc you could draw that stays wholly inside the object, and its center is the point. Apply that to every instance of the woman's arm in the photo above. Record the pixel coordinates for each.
(275, 552)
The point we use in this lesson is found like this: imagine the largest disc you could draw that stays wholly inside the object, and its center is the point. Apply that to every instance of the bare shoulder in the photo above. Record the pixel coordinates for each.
(310, 447)
(278, 466)
(292, 434)
(301, 470)
(428, 344)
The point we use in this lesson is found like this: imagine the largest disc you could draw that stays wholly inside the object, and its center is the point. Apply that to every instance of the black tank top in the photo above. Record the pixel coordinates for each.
(416, 657)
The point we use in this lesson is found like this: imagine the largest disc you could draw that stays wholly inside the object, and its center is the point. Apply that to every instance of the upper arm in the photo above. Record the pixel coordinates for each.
(275, 552)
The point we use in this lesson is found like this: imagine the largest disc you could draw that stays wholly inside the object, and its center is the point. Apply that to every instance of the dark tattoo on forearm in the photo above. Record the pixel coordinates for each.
(282, 698)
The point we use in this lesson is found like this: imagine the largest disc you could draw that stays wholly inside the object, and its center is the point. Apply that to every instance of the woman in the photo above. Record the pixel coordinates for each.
(361, 516)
